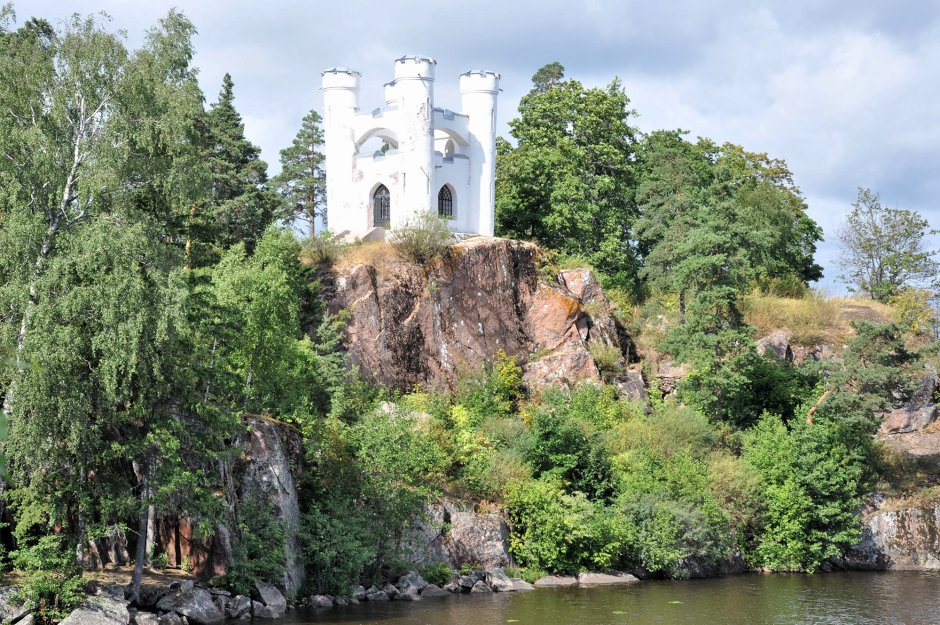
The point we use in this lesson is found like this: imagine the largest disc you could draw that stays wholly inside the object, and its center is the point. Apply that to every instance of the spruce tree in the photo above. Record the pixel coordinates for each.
(301, 182)
(241, 204)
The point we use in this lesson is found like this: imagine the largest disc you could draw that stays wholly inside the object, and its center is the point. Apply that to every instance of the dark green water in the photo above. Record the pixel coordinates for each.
(902, 598)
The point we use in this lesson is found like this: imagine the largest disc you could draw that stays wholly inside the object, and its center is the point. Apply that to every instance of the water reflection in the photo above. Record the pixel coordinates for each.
(907, 598)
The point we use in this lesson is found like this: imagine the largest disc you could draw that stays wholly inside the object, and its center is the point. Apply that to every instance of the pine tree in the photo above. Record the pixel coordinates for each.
(301, 182)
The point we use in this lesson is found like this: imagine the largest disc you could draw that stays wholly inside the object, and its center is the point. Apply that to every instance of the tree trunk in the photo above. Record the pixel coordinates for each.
(143, 479)
(151, 532)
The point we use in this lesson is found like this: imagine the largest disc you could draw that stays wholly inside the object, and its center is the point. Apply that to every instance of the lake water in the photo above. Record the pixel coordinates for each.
(901, 598)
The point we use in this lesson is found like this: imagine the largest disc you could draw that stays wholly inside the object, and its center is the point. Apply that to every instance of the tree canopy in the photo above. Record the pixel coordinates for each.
(883, 249)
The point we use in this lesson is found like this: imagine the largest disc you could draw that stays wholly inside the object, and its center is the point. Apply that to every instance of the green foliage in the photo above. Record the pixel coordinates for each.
(883, 248)
(422, 239)
(53, 581)
(241, 204)
(257, 545)
(569, 182)
(369, 481)
(324, 249)
(607, 357)
(813, 482)
(438, 574)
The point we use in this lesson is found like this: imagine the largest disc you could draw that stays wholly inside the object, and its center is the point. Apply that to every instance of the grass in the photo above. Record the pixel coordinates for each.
(812, 319)
(606, 357)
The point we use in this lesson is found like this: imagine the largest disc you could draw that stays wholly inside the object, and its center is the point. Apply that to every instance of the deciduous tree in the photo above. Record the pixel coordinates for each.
(883, 249)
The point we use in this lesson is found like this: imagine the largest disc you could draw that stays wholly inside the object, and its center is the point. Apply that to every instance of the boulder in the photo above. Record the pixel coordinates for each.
(11, 611)
(466, 582)
(553, 581)
(776, 345)
(29, 619)
(150, 594)
(172, 618)
(409, 593)
(196, 605)
(145, 618)
(669, 376)
(521, 585)
(480, 586)
(377, 595)
(99, 610)
(432, 591)
(452, 587)
(498, 581)
(897, 536)
(321, 601)
(919, 412)
(631, 385)
(412, 579)
(390, 590)
(341, 602)
(238, 607)
(358, 592)
(272, 598)
(605, 579)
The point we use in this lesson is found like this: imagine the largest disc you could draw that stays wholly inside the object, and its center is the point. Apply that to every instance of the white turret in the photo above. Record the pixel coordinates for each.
(387, 165)
(478, 91)
(340, 106)
(413, 88)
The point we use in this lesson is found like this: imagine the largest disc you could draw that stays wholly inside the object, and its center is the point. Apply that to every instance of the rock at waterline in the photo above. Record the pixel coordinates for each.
(480, 586)
(605, 579)
(521, 585)
(238, 607)
(412, 579)
(553, 581)
(321, 601)
(272, 599)
(431, 591)
(498, 581)
(390, 590)
(100, 610)
(195, 604)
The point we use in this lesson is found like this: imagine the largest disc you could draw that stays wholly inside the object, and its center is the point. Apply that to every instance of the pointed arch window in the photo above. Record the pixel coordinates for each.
(445, 203)
(381, 208)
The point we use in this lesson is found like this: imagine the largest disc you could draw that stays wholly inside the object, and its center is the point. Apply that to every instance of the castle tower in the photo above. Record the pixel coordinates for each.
(413, 90)
(340, 106)
(478, 91)
(388, 165)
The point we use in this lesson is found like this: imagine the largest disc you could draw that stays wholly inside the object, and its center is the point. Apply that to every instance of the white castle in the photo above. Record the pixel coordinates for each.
(430, 159)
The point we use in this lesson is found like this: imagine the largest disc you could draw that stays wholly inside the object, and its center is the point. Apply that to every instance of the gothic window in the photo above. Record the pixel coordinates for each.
(445, 203)
(381, 208)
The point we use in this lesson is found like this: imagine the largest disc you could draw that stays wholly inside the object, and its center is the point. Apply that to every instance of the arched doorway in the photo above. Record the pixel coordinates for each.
(381, 208)
(445, 203)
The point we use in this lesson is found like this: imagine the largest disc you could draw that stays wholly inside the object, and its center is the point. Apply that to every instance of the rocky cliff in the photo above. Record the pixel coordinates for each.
(418, 325)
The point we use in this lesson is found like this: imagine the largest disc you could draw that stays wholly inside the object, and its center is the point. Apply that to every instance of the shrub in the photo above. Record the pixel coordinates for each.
(257, 545)
(607, 357)
(422, 239)
(53, 579)
(438, 574)
(324, 248)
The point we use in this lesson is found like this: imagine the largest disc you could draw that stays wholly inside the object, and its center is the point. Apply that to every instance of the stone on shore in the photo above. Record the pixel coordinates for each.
(498, 581)
(99, 610)
(556, 581)
(605, 579)
(480, 586)
(432, 591)
(195, 604)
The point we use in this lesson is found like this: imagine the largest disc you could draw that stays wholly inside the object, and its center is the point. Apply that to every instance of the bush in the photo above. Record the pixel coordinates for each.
(324, 248)
(438, 574)
(422, 239)
(53, 580)
(257, 546)
(607, 357)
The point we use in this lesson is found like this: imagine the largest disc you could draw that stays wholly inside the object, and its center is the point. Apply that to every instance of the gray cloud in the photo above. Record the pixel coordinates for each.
(845, 91)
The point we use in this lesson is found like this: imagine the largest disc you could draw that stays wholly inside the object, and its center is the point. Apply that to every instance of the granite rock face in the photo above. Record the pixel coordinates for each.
(897, 537)
(427, 325)
(99, 610)
(455, 534)
(919, 412)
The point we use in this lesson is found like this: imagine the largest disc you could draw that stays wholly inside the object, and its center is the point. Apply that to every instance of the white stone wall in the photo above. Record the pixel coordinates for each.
(419, 134)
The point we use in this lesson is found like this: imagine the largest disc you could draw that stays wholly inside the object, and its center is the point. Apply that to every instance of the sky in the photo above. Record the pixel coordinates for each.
(847, 92)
